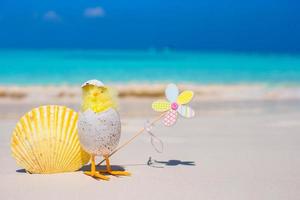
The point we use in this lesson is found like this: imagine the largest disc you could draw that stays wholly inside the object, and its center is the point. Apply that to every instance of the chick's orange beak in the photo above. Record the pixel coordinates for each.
(95, 94)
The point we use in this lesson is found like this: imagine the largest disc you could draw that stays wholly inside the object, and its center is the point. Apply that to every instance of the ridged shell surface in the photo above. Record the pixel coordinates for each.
(99, 133)
(45, 140)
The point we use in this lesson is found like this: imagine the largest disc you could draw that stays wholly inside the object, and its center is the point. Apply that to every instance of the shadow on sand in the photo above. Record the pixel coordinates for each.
(21, 171)
(102, 167)
(85, 168)
(151, 163)
(176, 162)
(161, 164)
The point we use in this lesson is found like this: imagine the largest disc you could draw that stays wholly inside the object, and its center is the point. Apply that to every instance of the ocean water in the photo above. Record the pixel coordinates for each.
(51, 67)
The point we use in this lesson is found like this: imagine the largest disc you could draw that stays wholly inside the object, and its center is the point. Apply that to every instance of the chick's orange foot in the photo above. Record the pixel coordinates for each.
(93, 173)
(116, 173)
(96, 175)
(113, 172)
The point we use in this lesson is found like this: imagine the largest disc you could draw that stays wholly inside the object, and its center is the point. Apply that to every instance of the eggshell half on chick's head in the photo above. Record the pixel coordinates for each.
(93, 82)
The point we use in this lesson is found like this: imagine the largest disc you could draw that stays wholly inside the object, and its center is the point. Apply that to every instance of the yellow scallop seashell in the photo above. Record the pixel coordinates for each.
(45, 141)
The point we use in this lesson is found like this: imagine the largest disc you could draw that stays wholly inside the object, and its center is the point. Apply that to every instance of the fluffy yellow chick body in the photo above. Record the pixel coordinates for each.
(98, 99)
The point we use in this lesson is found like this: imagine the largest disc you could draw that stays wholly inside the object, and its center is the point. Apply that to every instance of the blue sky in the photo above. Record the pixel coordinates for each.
(232, 25)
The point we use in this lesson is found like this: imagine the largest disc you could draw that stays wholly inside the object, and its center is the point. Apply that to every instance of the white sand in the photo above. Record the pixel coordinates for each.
(241, 150)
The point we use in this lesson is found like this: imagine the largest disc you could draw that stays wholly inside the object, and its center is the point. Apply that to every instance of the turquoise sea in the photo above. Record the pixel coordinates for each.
(50, 67)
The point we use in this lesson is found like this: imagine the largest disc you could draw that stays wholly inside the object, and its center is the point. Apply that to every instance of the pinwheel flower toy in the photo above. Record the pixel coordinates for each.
(175, 104)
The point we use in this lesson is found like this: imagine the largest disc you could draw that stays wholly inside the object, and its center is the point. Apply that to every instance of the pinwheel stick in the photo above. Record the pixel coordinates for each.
(134, 137)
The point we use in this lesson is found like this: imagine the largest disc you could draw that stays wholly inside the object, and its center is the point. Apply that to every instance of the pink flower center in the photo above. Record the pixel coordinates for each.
(174, 106)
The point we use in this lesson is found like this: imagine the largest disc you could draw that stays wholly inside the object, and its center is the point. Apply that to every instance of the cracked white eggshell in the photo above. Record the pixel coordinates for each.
(99, 133)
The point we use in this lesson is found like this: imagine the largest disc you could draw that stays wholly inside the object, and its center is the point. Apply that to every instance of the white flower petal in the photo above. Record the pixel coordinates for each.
(172, 92)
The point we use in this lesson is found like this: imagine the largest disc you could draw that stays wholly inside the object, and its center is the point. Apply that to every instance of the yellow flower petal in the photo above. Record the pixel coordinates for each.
(185, 97)
(161, 105)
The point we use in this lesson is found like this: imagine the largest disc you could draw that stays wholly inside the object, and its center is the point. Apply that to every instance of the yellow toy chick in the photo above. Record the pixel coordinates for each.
(99, 126)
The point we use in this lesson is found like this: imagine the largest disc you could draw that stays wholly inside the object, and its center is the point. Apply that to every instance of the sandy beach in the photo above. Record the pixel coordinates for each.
(235, 148)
